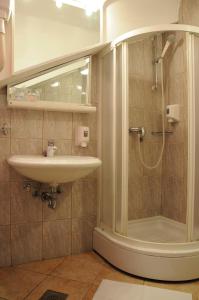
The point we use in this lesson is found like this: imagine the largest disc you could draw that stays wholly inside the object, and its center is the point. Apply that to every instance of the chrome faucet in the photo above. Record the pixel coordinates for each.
(139, 130)
(51, 149)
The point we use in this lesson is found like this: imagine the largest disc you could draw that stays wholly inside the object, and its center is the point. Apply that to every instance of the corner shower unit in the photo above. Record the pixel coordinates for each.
(148, 214)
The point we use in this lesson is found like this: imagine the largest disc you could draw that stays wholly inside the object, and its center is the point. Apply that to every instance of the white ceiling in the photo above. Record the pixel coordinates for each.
(67, 14)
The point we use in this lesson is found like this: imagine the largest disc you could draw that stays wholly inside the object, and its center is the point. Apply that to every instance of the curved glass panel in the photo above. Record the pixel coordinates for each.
(157, 200)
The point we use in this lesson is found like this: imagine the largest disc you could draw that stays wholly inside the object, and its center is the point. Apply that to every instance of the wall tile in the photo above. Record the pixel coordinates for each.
(63, 208)
(5, 252)
(24, 207)
(57, 125)
(26, 124)
(91, 150)
(4, 147)
(4, 169)
(56, 238)
(84, 198)
(5, 203)
(26, 146)
(82, 234)
(26, 241)
(174, 198)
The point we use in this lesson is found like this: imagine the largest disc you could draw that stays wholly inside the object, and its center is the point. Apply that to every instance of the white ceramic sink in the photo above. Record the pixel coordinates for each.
(54, 170)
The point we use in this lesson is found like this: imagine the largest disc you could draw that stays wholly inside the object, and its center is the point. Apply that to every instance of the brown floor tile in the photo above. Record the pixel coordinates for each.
(191, 287)
(91, 292)
(44, 266)
(84, 267)
(76, 290)
(15, 284)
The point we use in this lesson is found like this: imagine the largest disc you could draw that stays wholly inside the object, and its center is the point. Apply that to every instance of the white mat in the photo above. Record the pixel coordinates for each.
(114, 290)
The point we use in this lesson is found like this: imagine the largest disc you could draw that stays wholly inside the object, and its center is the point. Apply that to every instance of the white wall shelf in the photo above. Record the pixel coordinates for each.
(52, 106)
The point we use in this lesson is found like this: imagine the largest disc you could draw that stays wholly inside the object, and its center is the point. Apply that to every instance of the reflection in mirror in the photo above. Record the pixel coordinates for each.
(68, 84)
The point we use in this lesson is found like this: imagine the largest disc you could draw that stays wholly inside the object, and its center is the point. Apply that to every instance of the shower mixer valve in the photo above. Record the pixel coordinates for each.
(138, 130)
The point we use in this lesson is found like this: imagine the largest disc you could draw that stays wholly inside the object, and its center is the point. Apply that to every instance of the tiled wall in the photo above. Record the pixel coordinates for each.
(144, 110)
(29, 230)
(161, 191)
(189, 11)
(174, 170)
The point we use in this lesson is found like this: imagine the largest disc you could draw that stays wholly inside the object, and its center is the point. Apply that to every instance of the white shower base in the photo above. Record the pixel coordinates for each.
(150, 259)
(157, 229)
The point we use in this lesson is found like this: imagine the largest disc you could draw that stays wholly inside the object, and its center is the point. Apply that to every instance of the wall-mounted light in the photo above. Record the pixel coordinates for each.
(59, 3)
(84, 72)
(79, 87)
(55, 84)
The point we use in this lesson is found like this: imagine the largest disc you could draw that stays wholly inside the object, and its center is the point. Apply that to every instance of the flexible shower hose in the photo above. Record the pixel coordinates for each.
(163, 128)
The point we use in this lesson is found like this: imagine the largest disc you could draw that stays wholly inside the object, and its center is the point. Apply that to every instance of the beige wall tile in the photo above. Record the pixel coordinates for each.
(189, 12)
(63, 208)
(91, 150)
(5, 249)
(135, 203)
(4, 147)
(82, 234)
(57, 125)
(26, 146)
(174, 162)
(24, 207)
(4, 169)
(174, 199)
(56, 238)
(26, 124)
(84, 198)
(5, 203)
(26, 241)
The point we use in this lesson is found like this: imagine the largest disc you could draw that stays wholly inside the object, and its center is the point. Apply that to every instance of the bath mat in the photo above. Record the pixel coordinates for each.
(114, 290)
(52, 295)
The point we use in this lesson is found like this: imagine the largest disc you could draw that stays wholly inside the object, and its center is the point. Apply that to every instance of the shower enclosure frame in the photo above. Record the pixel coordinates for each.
(162, 261)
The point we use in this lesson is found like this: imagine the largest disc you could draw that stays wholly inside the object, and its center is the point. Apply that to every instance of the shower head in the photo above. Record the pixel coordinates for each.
(170, 40)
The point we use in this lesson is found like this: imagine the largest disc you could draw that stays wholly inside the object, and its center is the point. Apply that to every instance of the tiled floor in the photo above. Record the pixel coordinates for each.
(78, 275)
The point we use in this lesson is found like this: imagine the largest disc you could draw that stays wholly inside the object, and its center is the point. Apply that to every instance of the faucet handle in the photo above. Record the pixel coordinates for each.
(51, 143)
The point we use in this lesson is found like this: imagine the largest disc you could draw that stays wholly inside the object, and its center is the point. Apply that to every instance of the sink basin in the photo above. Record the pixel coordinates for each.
(53, 170)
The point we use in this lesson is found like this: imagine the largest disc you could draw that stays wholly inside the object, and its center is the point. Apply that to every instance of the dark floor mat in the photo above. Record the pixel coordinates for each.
(52, 295)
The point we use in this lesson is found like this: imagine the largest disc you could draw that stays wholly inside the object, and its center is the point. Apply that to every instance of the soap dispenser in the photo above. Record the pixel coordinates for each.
(82, 136)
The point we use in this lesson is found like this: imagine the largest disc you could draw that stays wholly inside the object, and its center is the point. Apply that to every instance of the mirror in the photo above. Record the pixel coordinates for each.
(66, 84)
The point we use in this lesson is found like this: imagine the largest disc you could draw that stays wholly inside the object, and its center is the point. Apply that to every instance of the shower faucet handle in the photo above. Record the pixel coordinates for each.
(138, 130)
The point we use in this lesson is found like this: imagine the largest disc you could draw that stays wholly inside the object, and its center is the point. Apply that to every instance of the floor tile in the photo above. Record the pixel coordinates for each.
(44, 266)
(75, 290)
(84, 267)
(15, 283)
(91, 292)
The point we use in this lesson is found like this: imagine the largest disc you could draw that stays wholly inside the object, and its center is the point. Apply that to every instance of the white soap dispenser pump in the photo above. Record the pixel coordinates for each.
(82, 136)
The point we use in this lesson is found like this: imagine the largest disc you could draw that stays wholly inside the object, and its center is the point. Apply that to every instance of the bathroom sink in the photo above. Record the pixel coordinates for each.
(53, 170)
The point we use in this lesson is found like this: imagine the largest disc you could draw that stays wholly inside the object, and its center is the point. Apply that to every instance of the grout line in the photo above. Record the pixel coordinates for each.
(35, 287)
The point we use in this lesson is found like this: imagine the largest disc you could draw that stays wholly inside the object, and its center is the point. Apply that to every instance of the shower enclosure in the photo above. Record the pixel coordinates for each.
(148, 221)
